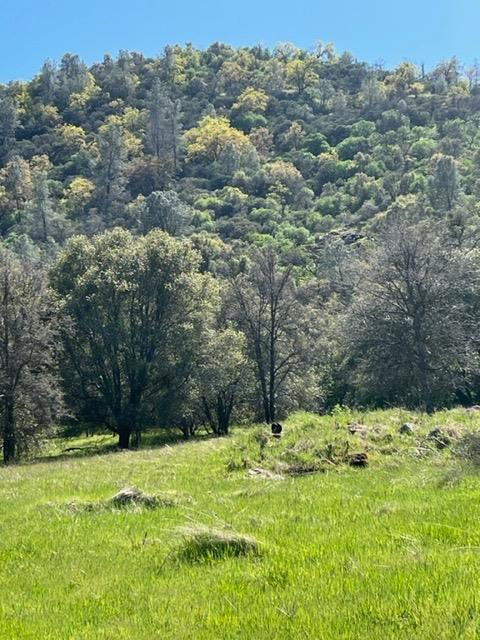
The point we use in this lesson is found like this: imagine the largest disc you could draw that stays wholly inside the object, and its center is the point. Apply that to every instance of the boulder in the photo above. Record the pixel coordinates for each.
(351, 237)
(277, 430)
(407, 428)
(356, 428)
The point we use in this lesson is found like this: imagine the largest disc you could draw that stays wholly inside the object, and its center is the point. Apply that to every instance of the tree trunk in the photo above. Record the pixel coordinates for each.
(272, 358)
(425, 386)
(423, 364)
(124, 434)
(428, 400)
(266, 408)
(9, 436)
(271, 388)
(223, 416)
(187, 427)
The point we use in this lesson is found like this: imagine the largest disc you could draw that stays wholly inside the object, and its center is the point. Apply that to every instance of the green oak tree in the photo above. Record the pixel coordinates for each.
(132, 310)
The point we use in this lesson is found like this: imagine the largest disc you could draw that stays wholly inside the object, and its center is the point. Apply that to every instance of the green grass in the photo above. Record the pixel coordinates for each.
(390, 551)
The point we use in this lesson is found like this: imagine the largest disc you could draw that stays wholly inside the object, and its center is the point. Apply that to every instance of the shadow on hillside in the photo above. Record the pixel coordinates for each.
(104, 443)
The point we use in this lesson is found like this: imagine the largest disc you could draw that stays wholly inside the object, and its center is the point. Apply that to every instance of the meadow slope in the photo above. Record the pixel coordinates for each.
(390, 551)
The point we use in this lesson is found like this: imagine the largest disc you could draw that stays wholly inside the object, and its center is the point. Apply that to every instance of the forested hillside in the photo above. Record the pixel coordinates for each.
(256, 144)
(230, 232)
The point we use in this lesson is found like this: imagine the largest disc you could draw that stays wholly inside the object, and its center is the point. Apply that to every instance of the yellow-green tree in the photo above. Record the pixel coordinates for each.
(213, 136)
(252, 99)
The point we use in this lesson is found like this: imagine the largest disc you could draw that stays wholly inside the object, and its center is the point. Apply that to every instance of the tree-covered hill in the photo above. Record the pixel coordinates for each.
(233, 234)
(239, 144)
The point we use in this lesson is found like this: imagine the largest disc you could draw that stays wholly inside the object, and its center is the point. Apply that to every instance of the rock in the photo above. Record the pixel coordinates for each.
(351, 238)
(356, 428)
(359, 459)
(258, 472)
(407, 428)
(475, 407)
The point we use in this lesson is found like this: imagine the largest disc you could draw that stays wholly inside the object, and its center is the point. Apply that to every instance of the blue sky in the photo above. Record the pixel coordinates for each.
(421, 30)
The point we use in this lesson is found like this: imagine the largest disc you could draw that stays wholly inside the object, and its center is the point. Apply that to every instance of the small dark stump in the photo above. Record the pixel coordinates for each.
(359, 459)
(277, 430)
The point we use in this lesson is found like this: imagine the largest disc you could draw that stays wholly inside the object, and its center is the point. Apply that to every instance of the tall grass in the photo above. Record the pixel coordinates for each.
(390, 551)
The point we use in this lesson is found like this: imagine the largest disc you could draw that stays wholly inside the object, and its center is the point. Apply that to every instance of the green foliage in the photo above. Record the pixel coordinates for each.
(212, 137)
(132, 309)
(195, 121)
(349, 147)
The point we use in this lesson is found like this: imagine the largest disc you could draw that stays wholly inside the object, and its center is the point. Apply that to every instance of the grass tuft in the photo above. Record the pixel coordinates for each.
(129, 497)
(201, 542)
(133, 497)
(468, 448)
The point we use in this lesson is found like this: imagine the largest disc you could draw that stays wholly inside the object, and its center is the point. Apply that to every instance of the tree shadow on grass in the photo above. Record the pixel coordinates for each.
(103, 443)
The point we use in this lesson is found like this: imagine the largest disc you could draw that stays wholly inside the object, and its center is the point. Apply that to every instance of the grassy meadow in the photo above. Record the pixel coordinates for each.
(306, 546)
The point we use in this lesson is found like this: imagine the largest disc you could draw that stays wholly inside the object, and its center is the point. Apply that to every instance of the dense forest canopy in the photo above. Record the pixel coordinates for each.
(256, 144)
(238, 232)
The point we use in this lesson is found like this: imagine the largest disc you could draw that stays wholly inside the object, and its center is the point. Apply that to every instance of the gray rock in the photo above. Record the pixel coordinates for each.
(351, 237)
(407, 428)
(358, 429)
(258, 472)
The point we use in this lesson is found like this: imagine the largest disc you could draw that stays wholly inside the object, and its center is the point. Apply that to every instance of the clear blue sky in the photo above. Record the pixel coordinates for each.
(392, 30)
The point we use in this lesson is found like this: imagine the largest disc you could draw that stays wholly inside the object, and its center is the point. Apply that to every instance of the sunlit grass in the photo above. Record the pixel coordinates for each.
(390, 551)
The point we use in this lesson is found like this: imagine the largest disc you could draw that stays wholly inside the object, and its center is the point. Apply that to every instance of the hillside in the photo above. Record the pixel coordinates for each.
(249, 144)
(388, 551)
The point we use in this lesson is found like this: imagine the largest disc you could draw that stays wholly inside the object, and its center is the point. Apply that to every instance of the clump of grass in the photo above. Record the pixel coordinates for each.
(468, 448)
(239, 458)
(72, 507)
(125, 498)
(204, 543)
(131, 496)
(451, 478)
